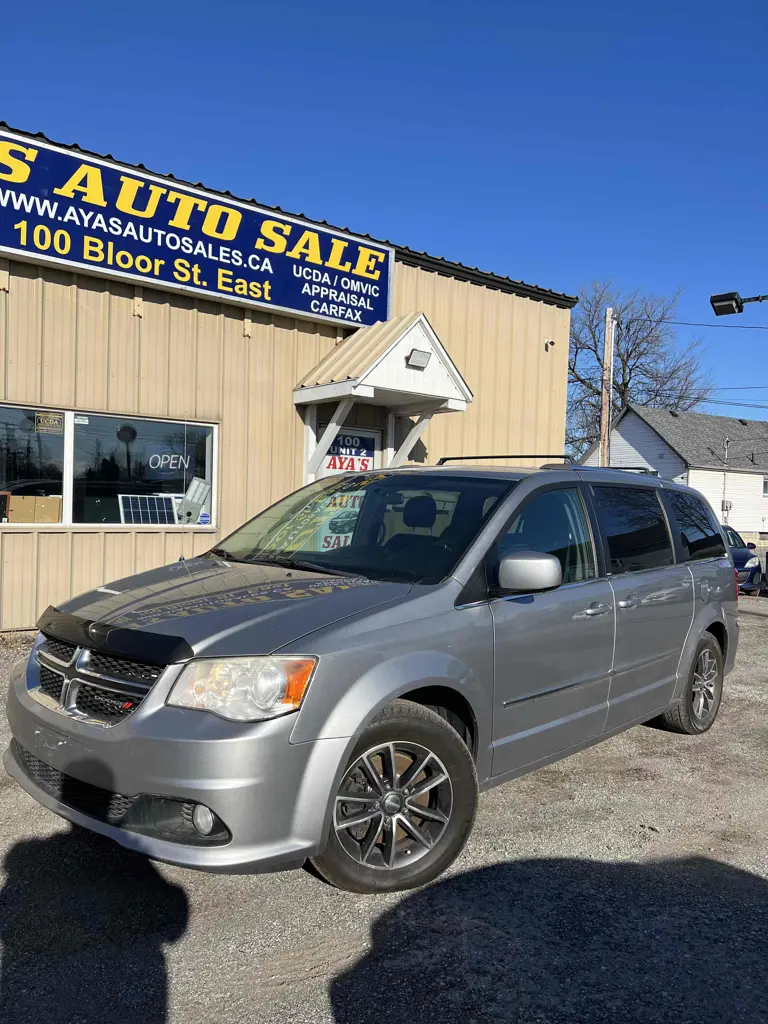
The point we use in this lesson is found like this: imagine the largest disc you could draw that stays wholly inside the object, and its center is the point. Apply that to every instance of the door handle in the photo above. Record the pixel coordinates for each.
(597, 609)
(629, 602)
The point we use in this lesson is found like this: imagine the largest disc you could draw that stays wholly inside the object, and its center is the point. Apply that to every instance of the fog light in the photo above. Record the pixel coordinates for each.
(202, 819)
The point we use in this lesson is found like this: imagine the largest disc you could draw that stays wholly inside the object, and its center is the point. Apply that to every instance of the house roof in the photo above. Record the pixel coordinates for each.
(410, 257)
(699, 439)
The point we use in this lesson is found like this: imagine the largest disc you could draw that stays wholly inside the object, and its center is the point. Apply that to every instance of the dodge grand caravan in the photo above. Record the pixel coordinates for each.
(303, 694)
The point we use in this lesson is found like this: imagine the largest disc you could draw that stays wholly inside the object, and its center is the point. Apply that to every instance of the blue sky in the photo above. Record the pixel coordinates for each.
(555, 142)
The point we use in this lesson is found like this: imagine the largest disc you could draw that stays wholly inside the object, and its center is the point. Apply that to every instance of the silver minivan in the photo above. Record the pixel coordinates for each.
(339, 679)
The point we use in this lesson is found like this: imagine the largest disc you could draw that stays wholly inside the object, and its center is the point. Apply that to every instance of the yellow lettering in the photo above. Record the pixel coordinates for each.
(17, 170)
(338, 245)
(277, 234)
(126, 197)
(225, 280)
(241, 286)
(87, 180)
(93, 249)
(213, 226)
(308, 245)
(366, 262)
(186, 204)
(181, 270)
(254, 290)
(266, 288)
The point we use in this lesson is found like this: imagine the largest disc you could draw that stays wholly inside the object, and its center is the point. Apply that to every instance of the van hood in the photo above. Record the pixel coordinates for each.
(208, 606)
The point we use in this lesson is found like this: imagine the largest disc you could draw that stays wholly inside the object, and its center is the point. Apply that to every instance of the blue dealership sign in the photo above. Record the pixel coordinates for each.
(62, 206)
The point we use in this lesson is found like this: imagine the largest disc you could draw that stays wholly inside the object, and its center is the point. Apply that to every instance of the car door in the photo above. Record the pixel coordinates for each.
(552, 650)
(653, 598)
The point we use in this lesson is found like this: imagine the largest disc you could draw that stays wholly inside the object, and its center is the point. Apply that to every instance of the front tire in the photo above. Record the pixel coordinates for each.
(405, 805)
(697, 709)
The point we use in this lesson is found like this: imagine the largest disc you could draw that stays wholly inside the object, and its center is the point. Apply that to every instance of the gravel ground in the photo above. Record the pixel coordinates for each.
(629, 882)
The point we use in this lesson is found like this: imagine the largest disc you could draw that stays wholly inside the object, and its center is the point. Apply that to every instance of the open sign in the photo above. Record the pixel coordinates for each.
(160, 463)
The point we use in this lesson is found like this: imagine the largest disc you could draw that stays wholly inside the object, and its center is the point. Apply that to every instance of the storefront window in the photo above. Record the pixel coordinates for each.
(122, 471)
(141, 472)
(31, 465)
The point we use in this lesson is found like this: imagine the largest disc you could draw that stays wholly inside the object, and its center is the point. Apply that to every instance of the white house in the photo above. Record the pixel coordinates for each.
(723, 457)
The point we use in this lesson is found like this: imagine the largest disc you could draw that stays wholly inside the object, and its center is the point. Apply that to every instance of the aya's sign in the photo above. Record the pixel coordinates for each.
(351, 452)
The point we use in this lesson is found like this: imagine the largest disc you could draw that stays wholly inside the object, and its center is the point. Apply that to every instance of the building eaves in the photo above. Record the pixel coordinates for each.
(403, 254)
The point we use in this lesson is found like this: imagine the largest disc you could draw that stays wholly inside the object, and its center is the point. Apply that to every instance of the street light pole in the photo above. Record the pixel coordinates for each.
(607, 389)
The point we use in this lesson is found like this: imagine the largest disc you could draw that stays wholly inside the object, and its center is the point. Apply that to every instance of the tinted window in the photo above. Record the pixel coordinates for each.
(555, 524)
(698, 531)
(634, 526)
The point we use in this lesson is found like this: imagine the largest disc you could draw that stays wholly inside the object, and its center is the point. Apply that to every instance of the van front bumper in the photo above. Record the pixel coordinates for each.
(272, 796)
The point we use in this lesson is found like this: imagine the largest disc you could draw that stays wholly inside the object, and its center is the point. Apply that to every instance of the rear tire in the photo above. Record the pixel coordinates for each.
(697, 709)
(411, 784)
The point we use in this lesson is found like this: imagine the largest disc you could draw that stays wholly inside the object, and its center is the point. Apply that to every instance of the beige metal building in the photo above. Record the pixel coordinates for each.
(112, 391)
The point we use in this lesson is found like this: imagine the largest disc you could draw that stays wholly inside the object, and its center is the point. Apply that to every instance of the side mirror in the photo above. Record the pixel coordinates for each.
(529, 571)
(751, 546)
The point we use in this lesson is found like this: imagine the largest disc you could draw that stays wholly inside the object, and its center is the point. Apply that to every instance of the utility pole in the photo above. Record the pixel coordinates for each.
(725, 505)
(605, 405)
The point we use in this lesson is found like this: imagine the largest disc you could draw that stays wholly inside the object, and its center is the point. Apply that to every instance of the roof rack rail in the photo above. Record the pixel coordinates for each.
(474, 458)
(626, 469)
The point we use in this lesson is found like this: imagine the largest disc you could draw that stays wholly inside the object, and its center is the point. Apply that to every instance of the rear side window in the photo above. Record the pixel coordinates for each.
(698, 531)
(635, 528)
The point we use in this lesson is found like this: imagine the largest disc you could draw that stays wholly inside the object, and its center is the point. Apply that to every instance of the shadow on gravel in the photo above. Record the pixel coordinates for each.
(557, 941)
(83, 923)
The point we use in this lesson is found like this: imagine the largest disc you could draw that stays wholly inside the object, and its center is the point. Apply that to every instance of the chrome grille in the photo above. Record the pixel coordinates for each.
(58, 650)
(51, 683)
(120, 668)
(104, 687)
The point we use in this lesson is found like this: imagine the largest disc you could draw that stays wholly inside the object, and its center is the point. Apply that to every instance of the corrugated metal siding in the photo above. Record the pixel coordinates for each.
(749, 513)
(497, 342)
(74, 342)
(634, 443)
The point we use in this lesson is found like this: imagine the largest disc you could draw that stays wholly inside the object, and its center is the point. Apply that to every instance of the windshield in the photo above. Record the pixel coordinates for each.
(734, 540)
(410, 527)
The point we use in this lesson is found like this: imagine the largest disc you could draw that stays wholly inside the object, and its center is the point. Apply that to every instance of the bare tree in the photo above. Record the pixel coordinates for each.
(650, 368)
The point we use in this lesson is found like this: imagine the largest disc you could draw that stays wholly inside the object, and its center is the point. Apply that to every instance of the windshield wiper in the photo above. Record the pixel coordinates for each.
(300, 563)
(226, 555)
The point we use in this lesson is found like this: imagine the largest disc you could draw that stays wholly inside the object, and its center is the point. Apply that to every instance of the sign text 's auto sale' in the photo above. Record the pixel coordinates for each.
(58, 205)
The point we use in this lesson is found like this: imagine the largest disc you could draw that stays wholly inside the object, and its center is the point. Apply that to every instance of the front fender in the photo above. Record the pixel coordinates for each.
(347, 717)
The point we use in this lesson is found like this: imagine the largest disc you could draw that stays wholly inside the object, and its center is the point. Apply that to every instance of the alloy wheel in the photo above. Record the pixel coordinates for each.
(393, 806)
(705, 678)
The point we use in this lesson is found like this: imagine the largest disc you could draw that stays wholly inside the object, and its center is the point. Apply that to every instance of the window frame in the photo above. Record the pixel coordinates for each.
(597, 550)
(68, 481)
(672, 534)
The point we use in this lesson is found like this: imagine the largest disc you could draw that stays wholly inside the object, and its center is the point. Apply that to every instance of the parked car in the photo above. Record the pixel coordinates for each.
(273, 701)
(747, 563)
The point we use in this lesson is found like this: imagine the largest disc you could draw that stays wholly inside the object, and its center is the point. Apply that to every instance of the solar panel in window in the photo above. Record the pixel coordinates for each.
(148, 509)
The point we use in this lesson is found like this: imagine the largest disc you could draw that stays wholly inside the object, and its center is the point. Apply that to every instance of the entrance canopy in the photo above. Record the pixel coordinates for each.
(400, 365)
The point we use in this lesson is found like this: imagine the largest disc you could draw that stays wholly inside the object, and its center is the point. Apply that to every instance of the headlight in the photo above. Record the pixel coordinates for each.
(752, 563)
(243, 689)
